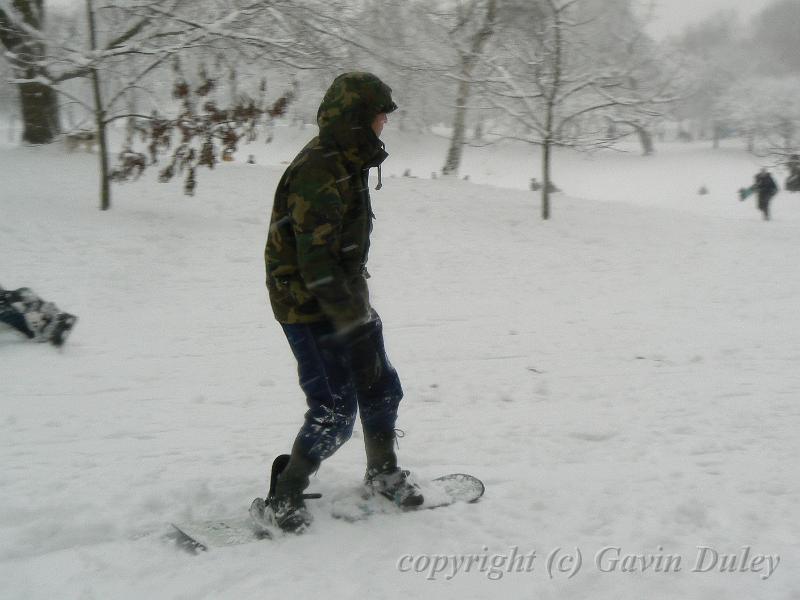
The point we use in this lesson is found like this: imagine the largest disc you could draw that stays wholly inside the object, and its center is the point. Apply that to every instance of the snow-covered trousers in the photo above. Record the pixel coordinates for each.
(342, 377)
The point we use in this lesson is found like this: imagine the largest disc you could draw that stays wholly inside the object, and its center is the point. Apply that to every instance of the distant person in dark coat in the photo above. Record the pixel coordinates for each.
(766, 188)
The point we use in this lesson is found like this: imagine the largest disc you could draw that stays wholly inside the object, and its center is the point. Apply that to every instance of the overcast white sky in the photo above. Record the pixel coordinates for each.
(671, 16)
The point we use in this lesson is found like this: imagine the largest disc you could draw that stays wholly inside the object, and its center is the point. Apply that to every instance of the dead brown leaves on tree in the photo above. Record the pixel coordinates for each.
(206, 133)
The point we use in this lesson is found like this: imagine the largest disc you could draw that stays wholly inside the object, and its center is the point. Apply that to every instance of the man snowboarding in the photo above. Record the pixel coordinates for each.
(36, 319)
(316, 256)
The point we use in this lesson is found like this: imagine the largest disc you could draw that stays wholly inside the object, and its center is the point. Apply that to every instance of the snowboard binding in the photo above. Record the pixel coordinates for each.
(262, 510)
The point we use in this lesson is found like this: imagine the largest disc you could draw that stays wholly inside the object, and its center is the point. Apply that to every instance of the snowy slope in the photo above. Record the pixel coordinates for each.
(622, 376)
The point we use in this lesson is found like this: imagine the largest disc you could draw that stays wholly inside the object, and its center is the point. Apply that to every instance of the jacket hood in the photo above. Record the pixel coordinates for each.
(345, 116)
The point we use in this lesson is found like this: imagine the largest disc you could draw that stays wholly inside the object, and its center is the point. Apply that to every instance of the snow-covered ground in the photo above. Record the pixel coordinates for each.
(623, 376)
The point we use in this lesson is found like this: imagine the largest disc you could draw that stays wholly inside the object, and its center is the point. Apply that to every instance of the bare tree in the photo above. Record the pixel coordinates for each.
(144, 35)
(134, 34)
(717, 56)
(766, 112)
(620, 42)
(555, 92)
(405, 43)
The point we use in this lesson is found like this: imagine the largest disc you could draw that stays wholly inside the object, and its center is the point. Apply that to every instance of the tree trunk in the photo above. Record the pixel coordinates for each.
(468, 61)
(645, 139)
(233, 83)
(102, 143)
(550, 112)
(546, 148)
(100, 117)
(717, 132)
(39, 108)
(787, 132)
(19, 25)
(456, 149)
(132, 101)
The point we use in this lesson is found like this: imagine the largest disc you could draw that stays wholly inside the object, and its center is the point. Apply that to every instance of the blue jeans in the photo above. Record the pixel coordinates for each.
(340, 376)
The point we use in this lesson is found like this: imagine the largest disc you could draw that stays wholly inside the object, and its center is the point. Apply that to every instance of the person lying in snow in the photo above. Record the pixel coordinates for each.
(36, 319)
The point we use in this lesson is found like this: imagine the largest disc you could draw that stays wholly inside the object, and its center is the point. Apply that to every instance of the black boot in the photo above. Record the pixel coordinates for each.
(381, 456)
(383, 475)
(289, 479)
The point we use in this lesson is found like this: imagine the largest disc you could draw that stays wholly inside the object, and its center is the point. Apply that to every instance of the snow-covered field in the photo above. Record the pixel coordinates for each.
(623, 378)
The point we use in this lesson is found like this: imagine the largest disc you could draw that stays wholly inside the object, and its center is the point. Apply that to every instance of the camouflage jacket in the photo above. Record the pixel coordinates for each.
(316, 252)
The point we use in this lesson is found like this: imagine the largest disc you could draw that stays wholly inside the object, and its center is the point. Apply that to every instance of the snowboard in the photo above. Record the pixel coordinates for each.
(201, 536)
(439, 492)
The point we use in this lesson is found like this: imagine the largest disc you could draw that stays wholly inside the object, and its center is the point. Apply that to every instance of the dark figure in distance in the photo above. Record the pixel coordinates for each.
(765, 188)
